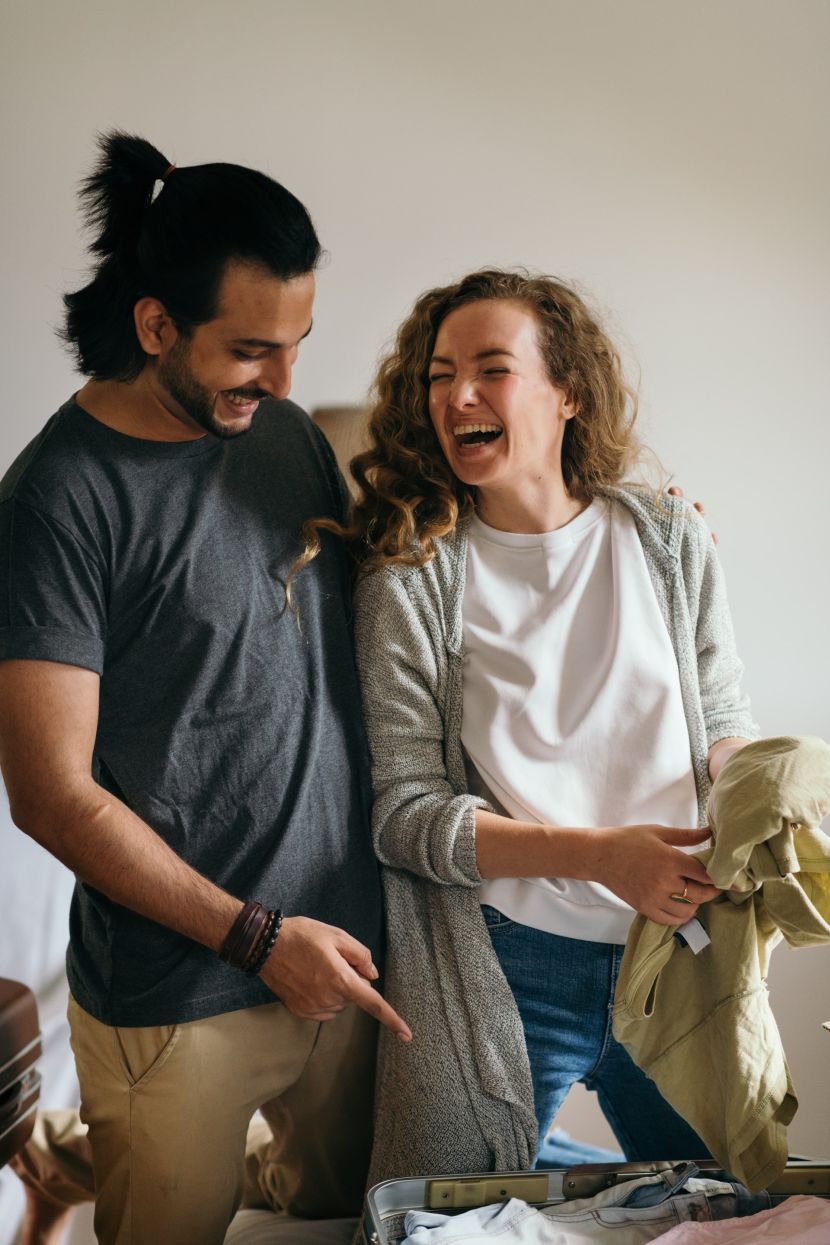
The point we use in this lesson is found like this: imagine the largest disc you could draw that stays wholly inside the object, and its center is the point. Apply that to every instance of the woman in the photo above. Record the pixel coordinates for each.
(550, 685)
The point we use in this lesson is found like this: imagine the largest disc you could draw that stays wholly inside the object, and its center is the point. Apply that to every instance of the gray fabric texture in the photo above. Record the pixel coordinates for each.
(459, 1098)
(232, 731)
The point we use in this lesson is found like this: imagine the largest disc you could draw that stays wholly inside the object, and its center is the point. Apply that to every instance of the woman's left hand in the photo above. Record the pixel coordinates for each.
(644, 866)
(721, 751)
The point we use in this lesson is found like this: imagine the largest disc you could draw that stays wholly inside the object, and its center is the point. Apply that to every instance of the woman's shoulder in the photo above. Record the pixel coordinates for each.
(669, 526)
(441, 570)
(425, 597)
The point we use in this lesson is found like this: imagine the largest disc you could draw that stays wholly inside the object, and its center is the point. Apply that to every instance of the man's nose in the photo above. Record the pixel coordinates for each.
(276, 376)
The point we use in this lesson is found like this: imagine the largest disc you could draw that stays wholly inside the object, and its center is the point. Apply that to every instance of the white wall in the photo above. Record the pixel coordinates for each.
(670, 156)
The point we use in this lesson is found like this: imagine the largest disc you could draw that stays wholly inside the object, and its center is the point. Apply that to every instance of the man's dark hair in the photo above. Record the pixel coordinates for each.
(173, 247)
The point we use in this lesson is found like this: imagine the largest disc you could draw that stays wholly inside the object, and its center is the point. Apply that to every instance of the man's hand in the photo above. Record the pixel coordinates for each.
(642, 865)
(676, 491)
(317, 970)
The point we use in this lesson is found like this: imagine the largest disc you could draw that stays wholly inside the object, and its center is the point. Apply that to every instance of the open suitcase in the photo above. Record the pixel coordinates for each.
(20, 1048)
(387, 1203)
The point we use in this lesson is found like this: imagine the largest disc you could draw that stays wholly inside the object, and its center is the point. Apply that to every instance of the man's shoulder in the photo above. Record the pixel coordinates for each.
(298, 452)
(280, 419)
(286, 435)
(44, 462)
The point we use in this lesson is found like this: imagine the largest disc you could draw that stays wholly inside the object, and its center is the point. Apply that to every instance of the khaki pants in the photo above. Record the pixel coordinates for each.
(168, 1111)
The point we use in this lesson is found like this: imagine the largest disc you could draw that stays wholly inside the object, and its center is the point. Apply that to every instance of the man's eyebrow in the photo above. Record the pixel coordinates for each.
(264, 344)
(482, 354)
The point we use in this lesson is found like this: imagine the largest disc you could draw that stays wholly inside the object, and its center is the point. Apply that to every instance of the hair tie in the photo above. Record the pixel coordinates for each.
(160, 182)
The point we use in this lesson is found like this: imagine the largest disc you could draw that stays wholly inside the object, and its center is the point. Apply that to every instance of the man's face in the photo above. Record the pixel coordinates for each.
(215, 377)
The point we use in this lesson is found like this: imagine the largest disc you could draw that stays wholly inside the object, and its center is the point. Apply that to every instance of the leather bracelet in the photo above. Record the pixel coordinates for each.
(265, 946)
(234, 933)
(244, 934)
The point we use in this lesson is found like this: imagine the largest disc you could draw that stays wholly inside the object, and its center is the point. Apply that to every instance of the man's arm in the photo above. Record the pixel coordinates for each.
(48, 723)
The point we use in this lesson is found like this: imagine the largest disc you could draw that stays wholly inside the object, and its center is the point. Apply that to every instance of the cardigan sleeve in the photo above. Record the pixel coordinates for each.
(420, 823)
(726, 707)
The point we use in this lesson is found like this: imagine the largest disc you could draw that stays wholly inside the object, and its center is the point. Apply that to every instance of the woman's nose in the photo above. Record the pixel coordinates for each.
(463, 393)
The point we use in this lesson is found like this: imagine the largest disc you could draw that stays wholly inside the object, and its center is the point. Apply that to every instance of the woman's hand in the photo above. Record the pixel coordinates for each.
(642, 865)
(720, 753)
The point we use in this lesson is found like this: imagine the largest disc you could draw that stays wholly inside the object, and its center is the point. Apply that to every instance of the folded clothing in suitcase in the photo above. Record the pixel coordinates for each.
(629, 1204)
(20, 1048)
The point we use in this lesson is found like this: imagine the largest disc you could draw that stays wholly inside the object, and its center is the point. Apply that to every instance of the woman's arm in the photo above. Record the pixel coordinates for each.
(641, 864)
(423, 826)
(726, 710)
(419, 822)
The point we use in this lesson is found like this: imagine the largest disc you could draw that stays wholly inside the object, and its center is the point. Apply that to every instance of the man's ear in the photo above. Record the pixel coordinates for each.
(153, 326)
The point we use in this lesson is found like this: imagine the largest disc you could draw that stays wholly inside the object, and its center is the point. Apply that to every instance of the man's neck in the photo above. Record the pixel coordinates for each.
(132, 407)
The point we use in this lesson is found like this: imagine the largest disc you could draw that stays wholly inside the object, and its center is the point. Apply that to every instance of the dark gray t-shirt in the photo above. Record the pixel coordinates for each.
(230, 725)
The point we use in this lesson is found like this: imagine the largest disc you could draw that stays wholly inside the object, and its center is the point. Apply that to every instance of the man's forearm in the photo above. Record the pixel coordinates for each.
(106, 845)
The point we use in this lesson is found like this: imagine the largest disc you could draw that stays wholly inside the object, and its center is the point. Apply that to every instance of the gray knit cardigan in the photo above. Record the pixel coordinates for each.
(459, 1098)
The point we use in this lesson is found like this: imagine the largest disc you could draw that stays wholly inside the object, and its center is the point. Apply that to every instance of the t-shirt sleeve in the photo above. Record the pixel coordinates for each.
(52, 591)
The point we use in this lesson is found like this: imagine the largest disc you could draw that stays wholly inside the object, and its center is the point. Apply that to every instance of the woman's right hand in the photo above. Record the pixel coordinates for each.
(642, 865)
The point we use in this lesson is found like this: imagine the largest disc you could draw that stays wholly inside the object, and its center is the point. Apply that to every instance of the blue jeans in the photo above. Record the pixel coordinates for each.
(564, 989)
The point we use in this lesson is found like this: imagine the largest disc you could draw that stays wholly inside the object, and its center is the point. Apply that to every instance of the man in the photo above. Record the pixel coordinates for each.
(180, 735)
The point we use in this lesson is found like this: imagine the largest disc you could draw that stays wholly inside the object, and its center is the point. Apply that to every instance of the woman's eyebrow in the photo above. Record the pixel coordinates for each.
(481, 354)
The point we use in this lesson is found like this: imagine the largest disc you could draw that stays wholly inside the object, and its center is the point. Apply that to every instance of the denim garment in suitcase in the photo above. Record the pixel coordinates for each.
(20, 1047)
(622, 1204)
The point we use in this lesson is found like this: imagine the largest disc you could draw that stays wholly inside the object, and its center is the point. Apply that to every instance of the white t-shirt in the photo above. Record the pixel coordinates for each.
(572, 705)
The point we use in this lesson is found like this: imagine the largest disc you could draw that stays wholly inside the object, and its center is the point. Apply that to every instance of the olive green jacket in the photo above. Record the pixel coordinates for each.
(701, 1025)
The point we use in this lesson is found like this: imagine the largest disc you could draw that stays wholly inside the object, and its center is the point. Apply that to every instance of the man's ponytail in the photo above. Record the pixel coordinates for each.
(116, 198)
(118, 192)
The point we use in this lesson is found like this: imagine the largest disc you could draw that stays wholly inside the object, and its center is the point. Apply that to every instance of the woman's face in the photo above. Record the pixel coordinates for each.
(498, 417)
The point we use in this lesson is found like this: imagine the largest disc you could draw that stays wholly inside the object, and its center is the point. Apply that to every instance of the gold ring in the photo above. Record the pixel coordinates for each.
(682, 898)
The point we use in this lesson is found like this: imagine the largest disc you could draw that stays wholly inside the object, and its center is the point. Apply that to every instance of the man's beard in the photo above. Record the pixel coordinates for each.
(198, 403)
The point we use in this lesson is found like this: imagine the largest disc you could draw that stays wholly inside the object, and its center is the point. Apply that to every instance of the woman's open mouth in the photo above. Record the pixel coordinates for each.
(476, 434)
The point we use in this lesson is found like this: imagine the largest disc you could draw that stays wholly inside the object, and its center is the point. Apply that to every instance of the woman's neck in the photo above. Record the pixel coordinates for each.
(530, 511)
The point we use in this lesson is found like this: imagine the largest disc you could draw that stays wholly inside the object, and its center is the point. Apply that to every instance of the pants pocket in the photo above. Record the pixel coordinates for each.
(494, 919)
(144, 1051)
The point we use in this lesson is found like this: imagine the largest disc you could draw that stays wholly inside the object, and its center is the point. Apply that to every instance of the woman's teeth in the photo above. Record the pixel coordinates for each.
(476, 434)
(464, 430)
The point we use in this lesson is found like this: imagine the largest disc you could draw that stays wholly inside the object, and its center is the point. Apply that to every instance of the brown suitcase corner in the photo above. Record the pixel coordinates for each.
(20, 1048)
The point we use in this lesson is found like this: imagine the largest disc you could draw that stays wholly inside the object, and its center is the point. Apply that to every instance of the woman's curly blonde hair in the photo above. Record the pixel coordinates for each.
(408, 497)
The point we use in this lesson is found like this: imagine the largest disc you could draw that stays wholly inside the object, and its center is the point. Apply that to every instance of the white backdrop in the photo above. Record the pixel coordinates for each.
(670, 156)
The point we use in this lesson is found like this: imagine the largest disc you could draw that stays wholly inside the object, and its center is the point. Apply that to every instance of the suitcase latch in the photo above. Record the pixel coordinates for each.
(464, 1192)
